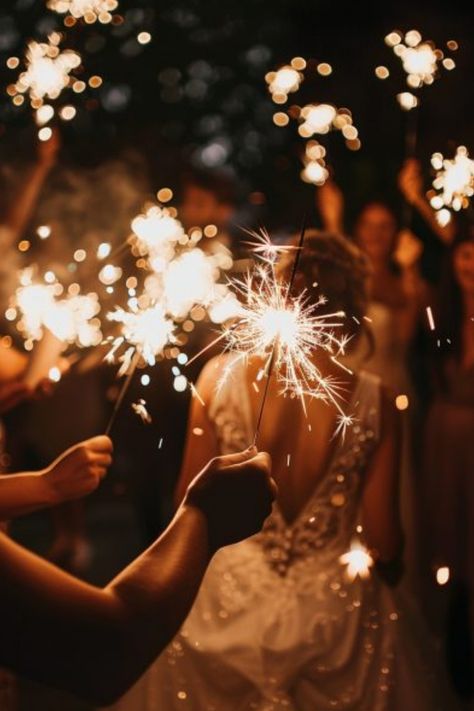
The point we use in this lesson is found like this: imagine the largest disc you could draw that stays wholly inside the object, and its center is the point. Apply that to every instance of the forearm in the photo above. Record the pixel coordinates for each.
(23, 205)
(92, 642)
(22, 493)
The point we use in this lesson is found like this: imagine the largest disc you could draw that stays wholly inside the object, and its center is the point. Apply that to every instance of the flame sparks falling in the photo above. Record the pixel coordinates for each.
(358, 561)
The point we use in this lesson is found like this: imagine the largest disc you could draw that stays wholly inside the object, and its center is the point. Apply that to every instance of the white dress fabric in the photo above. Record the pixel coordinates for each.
(277, 624)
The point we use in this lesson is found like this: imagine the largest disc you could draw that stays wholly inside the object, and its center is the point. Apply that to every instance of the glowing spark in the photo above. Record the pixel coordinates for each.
(262, 246)
(47, 69)
(420, 60)
(90, 10)
(358, 561)
(284, 81)
(442, 575)
(190, 280)
(431, 322)
(286, 330)
(454, 181)
(156, 234)
(144, 331)
(140, 409)
(71, 320)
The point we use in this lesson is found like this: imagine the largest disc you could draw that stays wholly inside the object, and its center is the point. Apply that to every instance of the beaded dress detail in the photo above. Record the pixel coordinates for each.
(277, 624)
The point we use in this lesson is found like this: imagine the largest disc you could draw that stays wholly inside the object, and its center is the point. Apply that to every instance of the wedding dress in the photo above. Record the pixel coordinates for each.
(278, 625)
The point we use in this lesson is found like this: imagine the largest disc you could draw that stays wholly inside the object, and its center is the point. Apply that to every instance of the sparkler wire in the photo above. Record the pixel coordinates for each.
(123, 390)
(272, 357)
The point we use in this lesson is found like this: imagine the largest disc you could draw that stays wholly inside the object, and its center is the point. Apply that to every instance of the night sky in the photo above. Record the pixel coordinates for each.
(196, 93)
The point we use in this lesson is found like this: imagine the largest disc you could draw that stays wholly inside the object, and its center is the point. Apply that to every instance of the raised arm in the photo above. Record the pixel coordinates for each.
(76, 473)
(17, 218)
(410, 182)
(330, 205)
(97, 642)
(380, 504)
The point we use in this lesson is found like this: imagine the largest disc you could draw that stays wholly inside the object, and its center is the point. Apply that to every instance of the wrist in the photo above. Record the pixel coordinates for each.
(47, 488)
(198, 519)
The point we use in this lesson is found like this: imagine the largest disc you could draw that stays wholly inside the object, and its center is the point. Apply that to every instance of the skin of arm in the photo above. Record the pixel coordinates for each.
(380, 502)
(76, 473)
(97, 642)
(410, 182)
(20, 213)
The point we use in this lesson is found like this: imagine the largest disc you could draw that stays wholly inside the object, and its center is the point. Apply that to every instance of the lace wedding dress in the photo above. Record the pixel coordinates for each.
(277, 624)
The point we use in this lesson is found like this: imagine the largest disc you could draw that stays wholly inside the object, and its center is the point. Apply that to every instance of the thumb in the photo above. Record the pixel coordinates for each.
(238, 457)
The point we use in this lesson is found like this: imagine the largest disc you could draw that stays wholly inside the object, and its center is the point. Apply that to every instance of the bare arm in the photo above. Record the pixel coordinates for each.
(201, 447)
(19, 215)
(410, 182)
(380, 503)
(97, 642)
(330, 205)
(76, 473)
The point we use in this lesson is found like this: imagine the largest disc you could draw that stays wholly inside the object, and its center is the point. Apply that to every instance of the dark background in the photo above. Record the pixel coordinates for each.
(200, 82)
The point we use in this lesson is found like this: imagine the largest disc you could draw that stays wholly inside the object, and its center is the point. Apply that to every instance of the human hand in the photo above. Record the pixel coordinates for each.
(330, 204)
(410, 180)
(12, 393)
(78, 471)
(235, 493)
(408, 250)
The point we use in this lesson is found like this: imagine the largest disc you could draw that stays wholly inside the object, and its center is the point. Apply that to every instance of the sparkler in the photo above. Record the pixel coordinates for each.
(421, 60)
(283, 329)
(89, 10)
(453, 183)
(72, 319)
(145, 332)
(48, 72)
(156, 234)
(314, 118)
(358, 561)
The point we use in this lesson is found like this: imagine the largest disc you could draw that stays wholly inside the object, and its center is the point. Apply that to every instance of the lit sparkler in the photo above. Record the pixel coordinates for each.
(145, 332)
(89, 10)
(454, 180)
(157, 233)
(48, 71)
(358, 561)
(73, 319)
(285, 80)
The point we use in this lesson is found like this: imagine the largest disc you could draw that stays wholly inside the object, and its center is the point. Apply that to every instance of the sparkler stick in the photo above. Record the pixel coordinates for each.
(271, 362)
(123, 391)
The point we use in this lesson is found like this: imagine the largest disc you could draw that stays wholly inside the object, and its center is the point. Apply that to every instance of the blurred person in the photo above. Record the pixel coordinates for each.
(278, 623)
(447, 491)
(96, 642)
(208, 198)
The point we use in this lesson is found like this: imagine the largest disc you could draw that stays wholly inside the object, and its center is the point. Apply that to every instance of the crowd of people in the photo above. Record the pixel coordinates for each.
(273, 621)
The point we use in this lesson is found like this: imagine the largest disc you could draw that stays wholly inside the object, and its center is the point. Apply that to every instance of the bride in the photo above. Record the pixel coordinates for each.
(297, 618)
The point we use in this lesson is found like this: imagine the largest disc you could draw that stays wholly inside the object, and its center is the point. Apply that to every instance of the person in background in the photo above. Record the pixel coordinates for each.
(447, 488)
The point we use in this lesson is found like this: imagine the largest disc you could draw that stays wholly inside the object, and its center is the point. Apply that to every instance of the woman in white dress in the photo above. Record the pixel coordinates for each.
(279, 623)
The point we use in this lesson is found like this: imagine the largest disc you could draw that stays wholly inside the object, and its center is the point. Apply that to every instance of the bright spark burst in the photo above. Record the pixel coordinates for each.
(143, 331)
(73, 319)
(286, 331)
(454, 180)
(358, 561)
(282, 82)
(48, 69)
(141, 411)
(263, 247)
(157, 233)
(90, 10)
(190, 280)
(420, 60)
